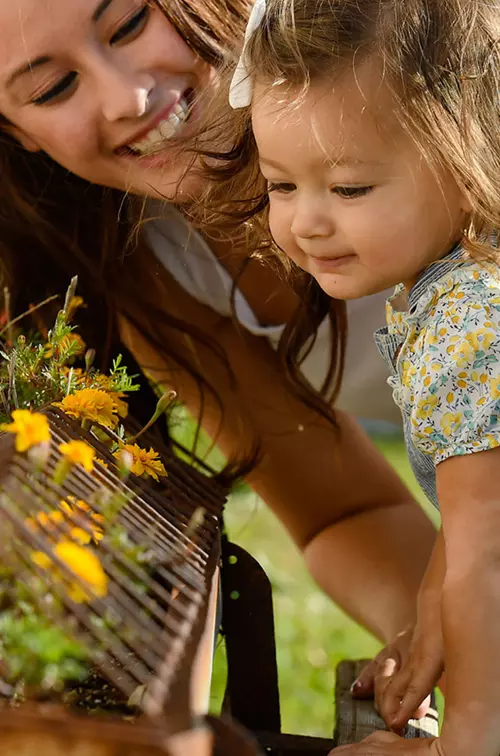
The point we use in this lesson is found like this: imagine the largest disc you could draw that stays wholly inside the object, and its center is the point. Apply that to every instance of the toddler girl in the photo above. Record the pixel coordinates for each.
(375, 127)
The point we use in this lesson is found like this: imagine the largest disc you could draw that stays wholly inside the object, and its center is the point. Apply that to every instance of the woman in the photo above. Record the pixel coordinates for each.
(98, 98)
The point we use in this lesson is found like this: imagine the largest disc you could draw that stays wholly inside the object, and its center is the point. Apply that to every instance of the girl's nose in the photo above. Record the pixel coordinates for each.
(124, 95)
(312, 218)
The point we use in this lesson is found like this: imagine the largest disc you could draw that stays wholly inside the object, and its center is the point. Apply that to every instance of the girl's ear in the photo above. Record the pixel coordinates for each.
(29, 144)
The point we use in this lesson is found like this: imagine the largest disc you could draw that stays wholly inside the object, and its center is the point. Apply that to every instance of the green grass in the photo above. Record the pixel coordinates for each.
(313, 635)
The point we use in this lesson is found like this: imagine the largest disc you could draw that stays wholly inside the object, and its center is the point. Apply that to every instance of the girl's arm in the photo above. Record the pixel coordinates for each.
(365, 540)
(403, 677)
(469, 495)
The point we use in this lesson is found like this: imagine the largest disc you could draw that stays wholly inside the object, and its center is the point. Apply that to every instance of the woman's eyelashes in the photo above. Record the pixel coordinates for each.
(127, 32)
(346, 192)
(62, 87)
(133, 26)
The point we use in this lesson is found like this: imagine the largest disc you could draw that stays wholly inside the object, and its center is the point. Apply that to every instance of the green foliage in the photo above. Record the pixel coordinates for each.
(38, 369)
(38, 652)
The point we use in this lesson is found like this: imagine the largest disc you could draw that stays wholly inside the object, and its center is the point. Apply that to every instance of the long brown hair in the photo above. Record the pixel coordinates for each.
(54, 225)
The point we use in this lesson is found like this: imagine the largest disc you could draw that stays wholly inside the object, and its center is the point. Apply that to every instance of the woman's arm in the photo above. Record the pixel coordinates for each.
(365, 540)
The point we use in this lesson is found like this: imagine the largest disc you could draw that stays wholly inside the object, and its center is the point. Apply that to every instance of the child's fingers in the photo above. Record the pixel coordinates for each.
(383, 683)
(363, 686)
(391, 686)
(409, 693)
(366, 684)
(417, 696)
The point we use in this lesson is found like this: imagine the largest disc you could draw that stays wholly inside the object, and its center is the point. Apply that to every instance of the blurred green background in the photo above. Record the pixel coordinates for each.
(312, 634)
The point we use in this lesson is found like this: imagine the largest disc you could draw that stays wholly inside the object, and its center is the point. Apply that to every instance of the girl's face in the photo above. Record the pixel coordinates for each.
(105, 87)
(352, 200)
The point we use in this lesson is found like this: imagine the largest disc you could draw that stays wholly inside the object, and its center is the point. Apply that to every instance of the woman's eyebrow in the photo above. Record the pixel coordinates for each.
(43, 59)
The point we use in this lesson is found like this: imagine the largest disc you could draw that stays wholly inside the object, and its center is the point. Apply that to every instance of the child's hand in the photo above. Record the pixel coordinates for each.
(378, 674)
(388, 744)
(404, 692)
(402, 677)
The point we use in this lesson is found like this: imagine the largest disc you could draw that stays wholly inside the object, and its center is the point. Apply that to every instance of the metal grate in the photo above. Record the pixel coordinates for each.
(138, 632)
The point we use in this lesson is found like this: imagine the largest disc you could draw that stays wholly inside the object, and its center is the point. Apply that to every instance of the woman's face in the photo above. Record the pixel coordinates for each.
(105, 87)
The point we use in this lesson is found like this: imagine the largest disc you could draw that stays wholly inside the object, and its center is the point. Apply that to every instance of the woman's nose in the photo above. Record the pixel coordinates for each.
(312, 218)
(124, 95)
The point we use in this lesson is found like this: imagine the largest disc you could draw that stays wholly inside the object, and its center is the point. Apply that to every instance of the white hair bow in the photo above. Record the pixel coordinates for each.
(241, 89)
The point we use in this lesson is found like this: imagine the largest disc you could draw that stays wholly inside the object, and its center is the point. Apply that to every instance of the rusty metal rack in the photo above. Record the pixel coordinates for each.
(149, 640)
(154, 635)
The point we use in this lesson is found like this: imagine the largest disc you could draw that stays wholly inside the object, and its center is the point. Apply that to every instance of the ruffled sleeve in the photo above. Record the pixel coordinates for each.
(454, 373)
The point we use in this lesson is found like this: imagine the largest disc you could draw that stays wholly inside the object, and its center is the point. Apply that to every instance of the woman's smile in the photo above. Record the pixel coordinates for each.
(110, 91)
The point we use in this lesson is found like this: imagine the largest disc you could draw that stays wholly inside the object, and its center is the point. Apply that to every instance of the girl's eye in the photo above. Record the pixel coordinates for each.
(283, 188)
(62, 88)
(133, 26)
(352, 192)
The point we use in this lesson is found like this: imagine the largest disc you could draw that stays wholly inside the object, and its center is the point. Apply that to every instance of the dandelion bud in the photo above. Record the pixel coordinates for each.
(89, 359)
(39, 455)
(125, 461)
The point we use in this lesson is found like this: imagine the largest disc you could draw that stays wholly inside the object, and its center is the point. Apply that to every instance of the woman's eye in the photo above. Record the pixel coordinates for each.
(351, 192)
(283, 187)
(62, 88)
(133, 26)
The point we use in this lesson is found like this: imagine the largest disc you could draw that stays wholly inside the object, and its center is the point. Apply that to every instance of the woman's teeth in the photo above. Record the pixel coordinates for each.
(163, 131)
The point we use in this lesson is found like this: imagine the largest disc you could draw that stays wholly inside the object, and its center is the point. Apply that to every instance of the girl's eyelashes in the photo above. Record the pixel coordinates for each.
(127, 32)
(346, 192)
(351, 192)
(282, 187)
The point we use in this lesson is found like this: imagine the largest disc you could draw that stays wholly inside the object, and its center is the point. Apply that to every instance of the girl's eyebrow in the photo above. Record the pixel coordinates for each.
(43, 59)
(340, 162)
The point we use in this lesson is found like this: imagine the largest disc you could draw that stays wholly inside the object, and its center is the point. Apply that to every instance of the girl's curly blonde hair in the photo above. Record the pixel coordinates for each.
(441, 59)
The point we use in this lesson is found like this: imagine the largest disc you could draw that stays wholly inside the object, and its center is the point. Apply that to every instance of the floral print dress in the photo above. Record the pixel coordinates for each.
(442, 343)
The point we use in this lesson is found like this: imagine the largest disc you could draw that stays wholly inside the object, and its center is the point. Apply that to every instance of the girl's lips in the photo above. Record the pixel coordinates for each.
(331, 263)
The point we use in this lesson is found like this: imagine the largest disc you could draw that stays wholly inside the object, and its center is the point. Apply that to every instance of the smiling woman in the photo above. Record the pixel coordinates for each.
(95, 91)
(99, 102)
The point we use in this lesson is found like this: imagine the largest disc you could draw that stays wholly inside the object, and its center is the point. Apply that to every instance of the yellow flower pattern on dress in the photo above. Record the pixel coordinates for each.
(443, 344)
(31, 429)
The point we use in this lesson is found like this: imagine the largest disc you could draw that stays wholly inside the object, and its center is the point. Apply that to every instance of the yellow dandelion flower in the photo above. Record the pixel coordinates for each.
(79, 453)
(43, 521)
(31, 429)
(75, 303)
(80, 510)
(144, 462)
(93, 405)
(83, 563)
(80, 536)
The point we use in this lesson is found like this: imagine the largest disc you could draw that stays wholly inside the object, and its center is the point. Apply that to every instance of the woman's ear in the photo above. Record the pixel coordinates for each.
(27, 142)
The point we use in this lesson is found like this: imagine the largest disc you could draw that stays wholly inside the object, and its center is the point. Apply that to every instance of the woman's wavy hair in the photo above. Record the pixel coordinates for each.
(54, 225)
(441, 59)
